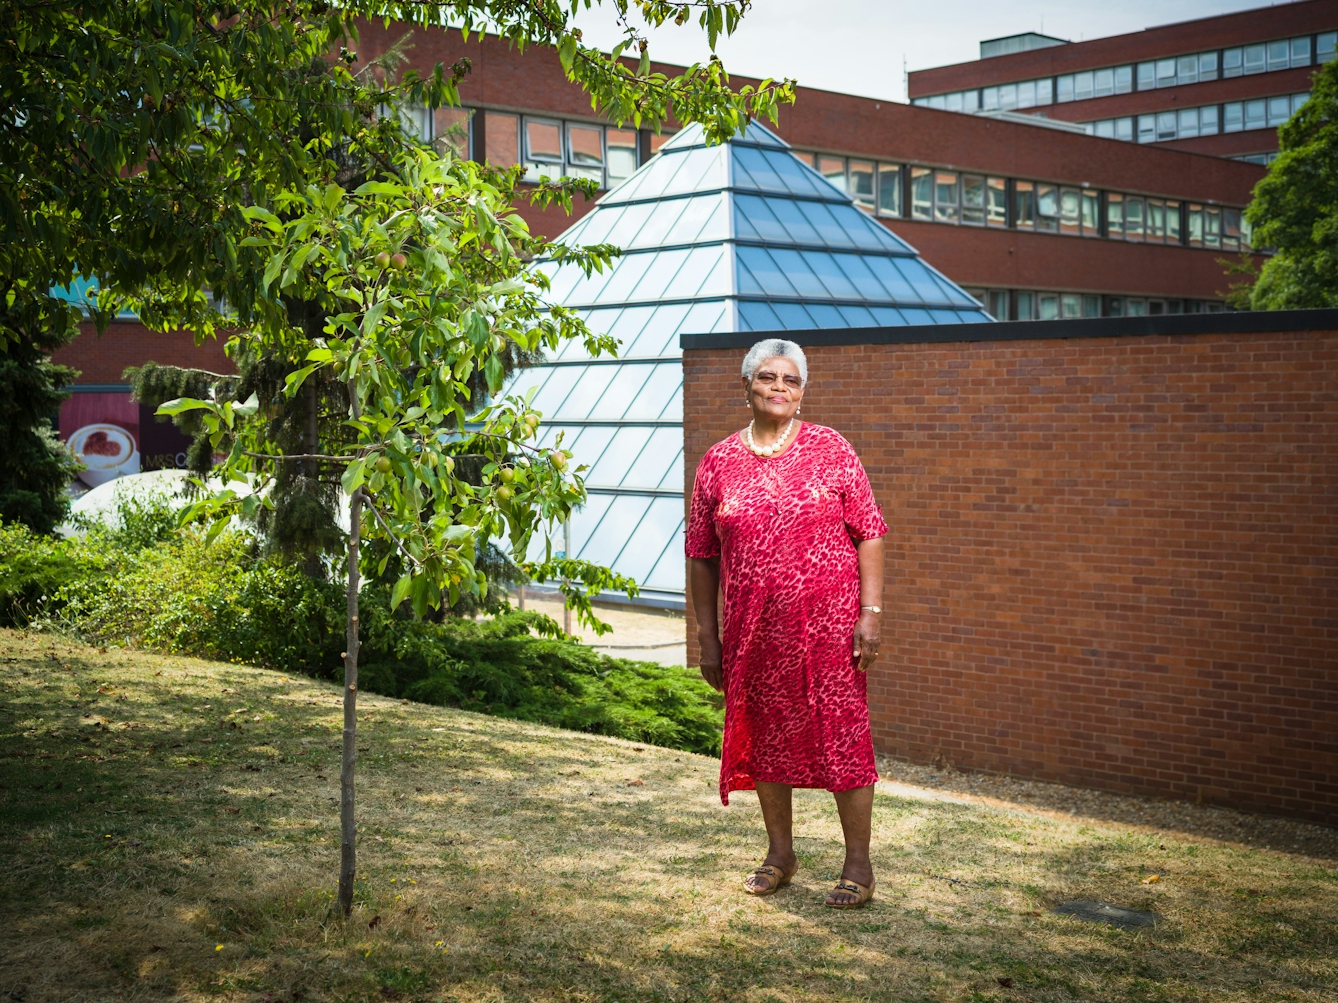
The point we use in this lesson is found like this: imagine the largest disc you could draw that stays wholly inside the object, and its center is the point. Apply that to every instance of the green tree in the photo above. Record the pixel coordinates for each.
(1295, 207)
(210, 168)
(37, 467)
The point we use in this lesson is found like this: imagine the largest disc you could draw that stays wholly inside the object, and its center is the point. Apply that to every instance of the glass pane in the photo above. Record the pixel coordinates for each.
(585, 145)
(1172, 222)
(887, 316)
(583, 523)
(753, 218)
(627, 223)
(662, 217)
(1047, 208)
(616, 289)
(1091, 214)
(701, 170)
(1279, 110)
(1298, 100)
(1166, 122)
(1124, 79)
(1232, 62)
(922, 193)
(554, 390)
(1064, 88)
(1147, 76)
(989, 98)
(1045, 89)
(661, 396)
(668, 574)
(587, 446)
(889, 190)
(1187, 70)
(1124, 129)
(1187, 126)
(1026, 94)
(1195, 228)
(543, 140)
(1325, 46)
(898, 289)
(1026, 305)
(1007, 96)
(1114, 215)
(834, 170)
(1207, 66)
(621, 153)
(973, 199)
(793, 317)
(703, 318)
(702, 219)
(615, 529)
(857, 316)
(1208, 120)
(856, 270)
(1165, 72)
(767, 275)
(450, 131)
(1103, 83)
(1155, 227)
(831, 273)
(996, 202)
(1147, 128)
(1231, 229)
(917, 274)
(945, 196)
(861, 183)
(1070, 220)
(1233, 117)
(1255, 114)
(1212, 227)
(1049, 306)
(971, 101)
(653, 280)
(653, 536)
(1070, 305)
(702, 265)
(953, 101)
(1091, 306)
(500, 132)
(1024, 208)
(1082, 85)
(621, 453)
(800, 229)
(1254, 59)
(1278, 55)
(756, 316)
(818, 215)
(1133, 218)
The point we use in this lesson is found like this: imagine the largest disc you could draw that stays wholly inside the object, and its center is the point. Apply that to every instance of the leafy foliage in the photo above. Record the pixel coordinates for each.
(36, 467)
(1295, 207)
(180, 592)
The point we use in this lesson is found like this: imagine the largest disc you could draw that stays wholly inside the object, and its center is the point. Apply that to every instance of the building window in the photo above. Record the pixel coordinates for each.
(1091, 214)
(450, 131)
(1279, 110)
(889, 190)
(543, 149)
(1254, 59)
(500, 132)
(1279, 55)
(1115, 215)
(621, 154)
(861, 184)
(1325, 45)
(834, 170)
(1070, 211)
(945, 197)
(996, 202)
(1187, 124)
(1133, 218)
(922, 193)
(1231, 234)
(1047, 208)
(1255, 114)
(1195, 214)
(973, 199)
(1155, 224)
(585, 146)
(1173, 222)
(1024, 205)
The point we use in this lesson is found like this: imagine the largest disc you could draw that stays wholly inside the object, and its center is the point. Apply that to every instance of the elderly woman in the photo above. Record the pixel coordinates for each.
(783, 522)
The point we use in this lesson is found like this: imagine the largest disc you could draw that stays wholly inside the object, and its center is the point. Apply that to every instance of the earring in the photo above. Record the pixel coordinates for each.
(798, 408)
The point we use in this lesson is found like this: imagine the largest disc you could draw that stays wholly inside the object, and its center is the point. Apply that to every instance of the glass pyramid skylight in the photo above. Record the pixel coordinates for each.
(739, 237)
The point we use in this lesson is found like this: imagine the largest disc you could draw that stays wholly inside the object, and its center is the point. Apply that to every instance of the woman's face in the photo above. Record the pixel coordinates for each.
(775, 390)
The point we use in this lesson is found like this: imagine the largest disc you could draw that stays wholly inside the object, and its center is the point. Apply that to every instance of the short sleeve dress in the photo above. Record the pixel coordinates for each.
(785, 529)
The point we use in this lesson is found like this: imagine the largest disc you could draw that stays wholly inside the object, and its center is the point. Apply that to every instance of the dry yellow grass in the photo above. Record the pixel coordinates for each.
(187, 848)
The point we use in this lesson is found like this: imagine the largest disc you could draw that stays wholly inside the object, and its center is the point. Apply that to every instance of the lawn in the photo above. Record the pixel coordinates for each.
(170, 832)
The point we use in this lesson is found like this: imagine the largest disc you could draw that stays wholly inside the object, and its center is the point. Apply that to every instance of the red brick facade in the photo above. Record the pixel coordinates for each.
(1113, 561)
(104, 358)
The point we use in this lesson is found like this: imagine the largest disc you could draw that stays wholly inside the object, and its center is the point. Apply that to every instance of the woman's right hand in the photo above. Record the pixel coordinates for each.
(713, 670)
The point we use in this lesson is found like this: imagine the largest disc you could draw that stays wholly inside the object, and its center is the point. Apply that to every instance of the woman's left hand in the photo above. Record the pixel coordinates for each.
(866, 639)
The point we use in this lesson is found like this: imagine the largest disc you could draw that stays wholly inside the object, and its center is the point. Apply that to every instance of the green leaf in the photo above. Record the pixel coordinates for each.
(401, 591)
(293, 381)
(183, 404)
(248, 407)
(354, 476)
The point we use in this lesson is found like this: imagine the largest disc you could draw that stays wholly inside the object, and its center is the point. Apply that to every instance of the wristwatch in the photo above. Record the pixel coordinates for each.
(875, 609)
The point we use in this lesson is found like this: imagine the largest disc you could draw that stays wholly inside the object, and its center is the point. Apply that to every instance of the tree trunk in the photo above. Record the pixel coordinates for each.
(348, 859)
(312, 566)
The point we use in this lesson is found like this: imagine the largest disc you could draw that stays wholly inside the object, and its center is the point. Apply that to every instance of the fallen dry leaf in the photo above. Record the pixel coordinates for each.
(636, 783)
(1005, 981)
(1152, 879)
(374, 923)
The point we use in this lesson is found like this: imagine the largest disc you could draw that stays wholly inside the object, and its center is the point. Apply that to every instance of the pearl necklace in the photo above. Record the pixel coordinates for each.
(766, 450)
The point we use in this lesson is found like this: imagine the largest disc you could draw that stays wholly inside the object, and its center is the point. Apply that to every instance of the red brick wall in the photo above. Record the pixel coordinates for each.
(104, 358)
(1113, 562)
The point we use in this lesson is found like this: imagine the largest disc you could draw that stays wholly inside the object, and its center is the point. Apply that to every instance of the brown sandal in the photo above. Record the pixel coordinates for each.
(778, 878)
(862, 892)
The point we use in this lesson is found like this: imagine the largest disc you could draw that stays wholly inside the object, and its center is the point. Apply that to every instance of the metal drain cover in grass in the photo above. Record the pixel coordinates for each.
(1104, 912)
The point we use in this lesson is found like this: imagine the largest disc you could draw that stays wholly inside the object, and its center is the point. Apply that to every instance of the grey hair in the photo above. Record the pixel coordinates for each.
(775, 348)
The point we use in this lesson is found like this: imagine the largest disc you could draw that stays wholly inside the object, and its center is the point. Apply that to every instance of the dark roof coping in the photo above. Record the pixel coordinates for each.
(1245, 322)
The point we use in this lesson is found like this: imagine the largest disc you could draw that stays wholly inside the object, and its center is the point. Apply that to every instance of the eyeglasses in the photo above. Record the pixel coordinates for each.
(767, 377)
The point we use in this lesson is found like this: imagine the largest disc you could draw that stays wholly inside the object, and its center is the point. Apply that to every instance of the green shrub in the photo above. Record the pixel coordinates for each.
(33, 569)
(143, 584)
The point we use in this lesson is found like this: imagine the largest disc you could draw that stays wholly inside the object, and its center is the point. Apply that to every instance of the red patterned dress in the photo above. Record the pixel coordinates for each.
(785, 528)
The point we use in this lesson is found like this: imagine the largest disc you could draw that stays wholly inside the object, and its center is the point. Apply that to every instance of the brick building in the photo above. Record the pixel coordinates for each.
(1111, 560)
(1218, 85)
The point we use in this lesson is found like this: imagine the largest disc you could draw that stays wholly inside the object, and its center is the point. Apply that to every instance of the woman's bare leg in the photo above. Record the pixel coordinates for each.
(778, 813)
(856, 810)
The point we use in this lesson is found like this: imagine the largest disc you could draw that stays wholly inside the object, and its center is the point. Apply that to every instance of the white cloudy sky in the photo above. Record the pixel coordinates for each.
(860, 46)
